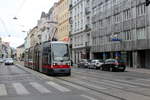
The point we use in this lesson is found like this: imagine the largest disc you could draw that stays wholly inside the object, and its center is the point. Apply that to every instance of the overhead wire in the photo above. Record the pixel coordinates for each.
(4, 26)
(20, 7)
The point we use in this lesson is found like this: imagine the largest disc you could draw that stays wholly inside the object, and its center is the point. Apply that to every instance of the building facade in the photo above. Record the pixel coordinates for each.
(80, 29)
(121, 30)
(33, 36)
(63, 20)
(20, 52)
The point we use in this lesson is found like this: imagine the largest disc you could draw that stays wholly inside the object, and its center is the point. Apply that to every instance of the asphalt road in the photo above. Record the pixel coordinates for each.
(20, 83)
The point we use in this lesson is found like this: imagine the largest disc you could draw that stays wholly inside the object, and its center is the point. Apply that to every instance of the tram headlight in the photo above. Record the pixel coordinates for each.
(68, 64)
(55, 64)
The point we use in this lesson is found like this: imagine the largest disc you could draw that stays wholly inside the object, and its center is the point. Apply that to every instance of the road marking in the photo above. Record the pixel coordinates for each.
(144, 80)
(133, 83)
(58, 87)
(20, 89)
(89, 84)
(40, 88)
(3, 91)
(88, 97)
(104, 83)
(123, 84)
(73, 85)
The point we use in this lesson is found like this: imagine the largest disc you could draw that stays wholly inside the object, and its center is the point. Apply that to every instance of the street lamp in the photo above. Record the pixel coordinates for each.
(15, 18)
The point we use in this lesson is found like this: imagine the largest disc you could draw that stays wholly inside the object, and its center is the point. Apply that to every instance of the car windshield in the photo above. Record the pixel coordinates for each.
(120, 61)
(9, 59)
(111, 60)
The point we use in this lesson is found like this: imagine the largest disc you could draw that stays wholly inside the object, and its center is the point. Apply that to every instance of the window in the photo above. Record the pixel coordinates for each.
(117, 18)
(141, 33)
(127, 14)
(127, 35)
(140, 10)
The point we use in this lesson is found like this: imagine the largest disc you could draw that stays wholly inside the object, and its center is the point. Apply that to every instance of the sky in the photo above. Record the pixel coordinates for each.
(27, 12)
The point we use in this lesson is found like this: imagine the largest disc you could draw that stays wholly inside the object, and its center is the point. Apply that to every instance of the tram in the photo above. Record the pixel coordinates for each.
(49, 58)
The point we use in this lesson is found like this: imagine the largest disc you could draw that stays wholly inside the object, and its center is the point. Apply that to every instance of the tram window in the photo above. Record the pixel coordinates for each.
(45, 59)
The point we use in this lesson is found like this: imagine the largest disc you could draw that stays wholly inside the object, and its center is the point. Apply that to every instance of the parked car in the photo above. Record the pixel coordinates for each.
(96, 64)
(9, 61)
(1, 60)
(114, 65)
(83, 63)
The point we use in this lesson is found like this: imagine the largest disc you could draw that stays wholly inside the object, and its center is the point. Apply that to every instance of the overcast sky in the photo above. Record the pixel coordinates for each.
(27, 12)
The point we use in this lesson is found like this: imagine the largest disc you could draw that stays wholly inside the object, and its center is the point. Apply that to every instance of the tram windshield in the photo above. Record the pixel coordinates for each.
(60, 52)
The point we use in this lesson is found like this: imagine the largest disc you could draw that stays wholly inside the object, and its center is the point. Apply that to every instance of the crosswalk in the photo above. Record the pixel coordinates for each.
(49, 87)
(3, 90)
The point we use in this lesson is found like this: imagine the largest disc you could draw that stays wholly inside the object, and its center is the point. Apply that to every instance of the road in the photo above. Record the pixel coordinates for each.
(20, 83)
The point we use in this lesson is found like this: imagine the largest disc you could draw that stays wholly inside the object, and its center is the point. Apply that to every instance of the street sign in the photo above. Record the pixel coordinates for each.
(117, 54)
(116, 39)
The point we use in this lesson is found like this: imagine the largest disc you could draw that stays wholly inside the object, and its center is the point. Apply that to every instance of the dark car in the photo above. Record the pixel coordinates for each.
(114, 65)
(83, 63)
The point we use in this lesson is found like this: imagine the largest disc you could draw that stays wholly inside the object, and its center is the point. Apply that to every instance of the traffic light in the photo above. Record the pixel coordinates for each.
(147, 2)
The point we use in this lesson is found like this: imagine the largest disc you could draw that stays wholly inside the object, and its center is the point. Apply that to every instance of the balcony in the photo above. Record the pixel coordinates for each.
(70, 20)
(87, 11)
(87, 28)
(70, 6)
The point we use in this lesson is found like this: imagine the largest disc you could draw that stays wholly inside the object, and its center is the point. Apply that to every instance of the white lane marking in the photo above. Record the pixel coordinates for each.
(58, 87)
(40, 88)
(75, 86)
(144, 80)
(133, 82)
(20, 89)
(3, 91)
(105, 83)
(88, 97)
(123, 84)
(89, 84)
(46, 77)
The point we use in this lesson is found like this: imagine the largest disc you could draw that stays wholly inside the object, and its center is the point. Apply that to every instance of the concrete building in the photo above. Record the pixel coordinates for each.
(47, 25)
(19, 52)
(33, 36)
(0, 47)
(121, 29)
(6, 50)
(80, 29)
(63, 20)
(42, 27)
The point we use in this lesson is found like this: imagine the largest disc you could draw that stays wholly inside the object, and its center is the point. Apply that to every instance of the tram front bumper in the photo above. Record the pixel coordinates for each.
(62, 70)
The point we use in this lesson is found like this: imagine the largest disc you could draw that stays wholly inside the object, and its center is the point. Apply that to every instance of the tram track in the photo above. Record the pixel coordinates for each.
(98, 76)
(89, 88)
(94, 90)
(91, 76)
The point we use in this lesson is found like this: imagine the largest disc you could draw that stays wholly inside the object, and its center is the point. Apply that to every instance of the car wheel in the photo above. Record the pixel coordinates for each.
(101, 68)
(111, 69)
(122, 70)
(69, 74)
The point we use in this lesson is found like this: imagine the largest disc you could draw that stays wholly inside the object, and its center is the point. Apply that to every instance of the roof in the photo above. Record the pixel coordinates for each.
(21, 46)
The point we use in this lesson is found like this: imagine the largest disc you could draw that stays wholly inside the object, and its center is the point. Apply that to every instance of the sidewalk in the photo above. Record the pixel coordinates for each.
(138, 70)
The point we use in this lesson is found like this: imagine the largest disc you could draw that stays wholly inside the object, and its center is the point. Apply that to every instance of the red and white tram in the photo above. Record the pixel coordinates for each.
(49, 57)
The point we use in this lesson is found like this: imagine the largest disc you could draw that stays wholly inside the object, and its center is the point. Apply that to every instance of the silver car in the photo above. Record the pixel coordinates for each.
(1, 60)
(9, 61)
(96, 64)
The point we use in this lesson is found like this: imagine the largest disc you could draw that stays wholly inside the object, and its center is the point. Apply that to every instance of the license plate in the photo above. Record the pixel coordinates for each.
(121, 67)
(62, 70)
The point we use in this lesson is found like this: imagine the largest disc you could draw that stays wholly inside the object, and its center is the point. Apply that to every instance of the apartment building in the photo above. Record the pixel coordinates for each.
(120, 29)
(63, 20)
(80, 29)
